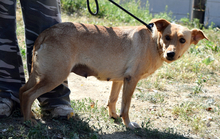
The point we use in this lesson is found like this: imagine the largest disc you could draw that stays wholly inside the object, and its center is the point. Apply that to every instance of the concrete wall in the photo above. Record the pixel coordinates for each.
(212, 13)
(180, 9)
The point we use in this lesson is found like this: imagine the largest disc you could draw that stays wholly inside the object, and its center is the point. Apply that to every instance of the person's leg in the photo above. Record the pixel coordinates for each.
(39, 15)
(11, 67)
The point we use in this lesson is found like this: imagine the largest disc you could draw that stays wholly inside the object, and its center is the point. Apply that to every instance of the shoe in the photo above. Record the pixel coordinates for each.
(63, 111)
(6, 106)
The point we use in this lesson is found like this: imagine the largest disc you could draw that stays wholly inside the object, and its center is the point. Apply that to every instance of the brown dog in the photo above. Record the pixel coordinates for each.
(123, 55)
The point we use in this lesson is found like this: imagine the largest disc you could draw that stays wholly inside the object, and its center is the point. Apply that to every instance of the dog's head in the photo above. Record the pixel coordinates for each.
(173, 40)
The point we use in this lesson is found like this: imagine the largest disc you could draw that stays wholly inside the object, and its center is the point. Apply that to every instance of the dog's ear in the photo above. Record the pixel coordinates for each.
(161, 24)
(197, 35)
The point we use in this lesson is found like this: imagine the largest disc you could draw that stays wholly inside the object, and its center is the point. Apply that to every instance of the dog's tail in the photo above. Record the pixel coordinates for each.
(40, 39)
(31, 82)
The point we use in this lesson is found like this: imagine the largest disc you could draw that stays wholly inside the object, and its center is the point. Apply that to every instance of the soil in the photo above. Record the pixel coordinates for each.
(158, 114)
(141, 110)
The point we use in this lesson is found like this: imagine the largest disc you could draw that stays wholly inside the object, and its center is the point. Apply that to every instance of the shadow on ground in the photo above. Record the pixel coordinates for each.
(14, 127)
(143, 133)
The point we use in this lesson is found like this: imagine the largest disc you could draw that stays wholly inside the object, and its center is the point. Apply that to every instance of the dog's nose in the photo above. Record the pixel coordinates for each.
(170, 54)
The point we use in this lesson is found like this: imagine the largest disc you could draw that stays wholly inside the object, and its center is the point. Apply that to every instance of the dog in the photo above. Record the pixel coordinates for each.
(123, 55)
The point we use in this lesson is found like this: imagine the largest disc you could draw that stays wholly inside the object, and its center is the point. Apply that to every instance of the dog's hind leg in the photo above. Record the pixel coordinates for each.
(33, 93)
(43, 83)
(116, 86)
(31, 82)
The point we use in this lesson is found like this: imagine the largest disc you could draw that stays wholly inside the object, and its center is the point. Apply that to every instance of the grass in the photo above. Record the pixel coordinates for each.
(178, 99)
(79, 127)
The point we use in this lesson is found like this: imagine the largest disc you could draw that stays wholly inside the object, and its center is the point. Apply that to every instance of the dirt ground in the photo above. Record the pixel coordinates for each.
(88, 88)
(140, 110)
(97, 90)
(160, 114)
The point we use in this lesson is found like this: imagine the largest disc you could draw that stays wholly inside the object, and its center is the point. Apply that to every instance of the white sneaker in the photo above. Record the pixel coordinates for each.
(63, 110)
(5, 106)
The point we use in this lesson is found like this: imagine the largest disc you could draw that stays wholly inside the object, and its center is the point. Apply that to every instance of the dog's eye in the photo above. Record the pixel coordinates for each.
(167, 37)
(182, 40)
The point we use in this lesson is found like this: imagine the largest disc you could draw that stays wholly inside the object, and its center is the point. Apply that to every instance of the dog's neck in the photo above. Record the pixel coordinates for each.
(156, 35)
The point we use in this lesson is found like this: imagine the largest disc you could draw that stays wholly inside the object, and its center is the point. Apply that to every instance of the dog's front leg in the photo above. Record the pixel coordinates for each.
(116, 86)
(128, 90)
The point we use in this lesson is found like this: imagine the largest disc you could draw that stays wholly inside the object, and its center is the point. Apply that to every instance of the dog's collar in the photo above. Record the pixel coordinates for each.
(150, 26)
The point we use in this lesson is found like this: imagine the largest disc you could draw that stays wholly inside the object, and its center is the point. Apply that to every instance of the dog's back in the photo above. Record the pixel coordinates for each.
(104, 52)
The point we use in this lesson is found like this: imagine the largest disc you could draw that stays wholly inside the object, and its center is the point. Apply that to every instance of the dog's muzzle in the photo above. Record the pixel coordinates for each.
(170, 55)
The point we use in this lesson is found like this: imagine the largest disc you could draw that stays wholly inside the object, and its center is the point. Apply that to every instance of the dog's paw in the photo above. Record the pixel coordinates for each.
(31, 122)
(117, 120)
(113, 115)
(34, 122)
(133, 125)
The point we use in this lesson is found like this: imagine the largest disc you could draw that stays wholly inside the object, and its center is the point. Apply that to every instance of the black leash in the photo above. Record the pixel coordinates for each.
(149, 26)
(97, 8)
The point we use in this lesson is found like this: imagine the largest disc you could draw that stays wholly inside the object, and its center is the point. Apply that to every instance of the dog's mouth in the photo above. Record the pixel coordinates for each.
(170, 58)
